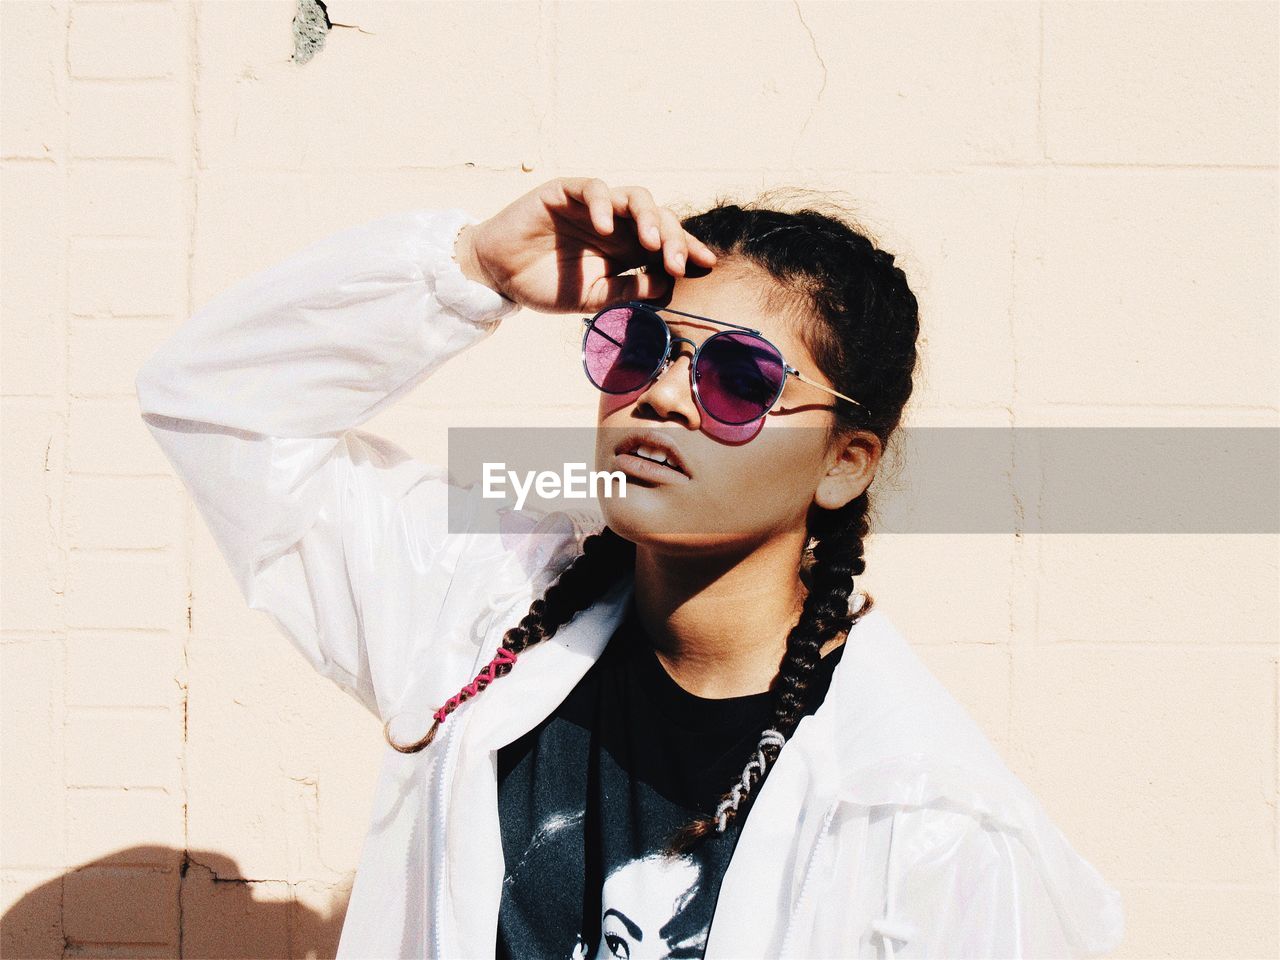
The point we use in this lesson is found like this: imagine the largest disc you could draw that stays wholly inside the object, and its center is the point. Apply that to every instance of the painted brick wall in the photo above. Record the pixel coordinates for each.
(1085, 198)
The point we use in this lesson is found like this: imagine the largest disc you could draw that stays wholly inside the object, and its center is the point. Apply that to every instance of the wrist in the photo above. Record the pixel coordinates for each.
(443, 251)
(464, 254)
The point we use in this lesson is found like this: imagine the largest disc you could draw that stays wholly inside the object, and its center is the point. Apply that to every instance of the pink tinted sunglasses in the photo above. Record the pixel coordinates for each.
(737, 374)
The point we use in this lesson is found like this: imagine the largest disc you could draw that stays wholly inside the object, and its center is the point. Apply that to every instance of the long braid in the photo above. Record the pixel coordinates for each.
(865, 342)
(837, 559)
(605, 557)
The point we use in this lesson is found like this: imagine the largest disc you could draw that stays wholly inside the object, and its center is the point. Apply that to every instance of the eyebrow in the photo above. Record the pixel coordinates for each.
(636, 933)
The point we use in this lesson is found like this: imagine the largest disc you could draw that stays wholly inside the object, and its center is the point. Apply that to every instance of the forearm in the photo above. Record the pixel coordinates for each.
(325, 339)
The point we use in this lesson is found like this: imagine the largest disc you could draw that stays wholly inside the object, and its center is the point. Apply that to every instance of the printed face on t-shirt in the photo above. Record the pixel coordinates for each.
(644, 900)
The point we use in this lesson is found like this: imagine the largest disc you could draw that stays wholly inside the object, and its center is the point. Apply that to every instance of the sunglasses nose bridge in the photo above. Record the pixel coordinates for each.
(673, 349)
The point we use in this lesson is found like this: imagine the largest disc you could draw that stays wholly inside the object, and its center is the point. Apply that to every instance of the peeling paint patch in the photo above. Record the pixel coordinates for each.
(311, 25)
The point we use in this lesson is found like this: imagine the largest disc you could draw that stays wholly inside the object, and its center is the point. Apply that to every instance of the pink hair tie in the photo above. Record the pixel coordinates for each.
(482, 680)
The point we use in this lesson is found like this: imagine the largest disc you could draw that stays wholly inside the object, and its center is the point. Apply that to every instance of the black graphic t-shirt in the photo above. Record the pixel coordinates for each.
(588, 798)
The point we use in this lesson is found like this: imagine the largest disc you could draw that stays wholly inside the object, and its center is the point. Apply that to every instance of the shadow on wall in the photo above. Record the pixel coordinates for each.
(152, 901)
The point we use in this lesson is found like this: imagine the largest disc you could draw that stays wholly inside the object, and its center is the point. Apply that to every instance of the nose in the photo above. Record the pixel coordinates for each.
(671, 394)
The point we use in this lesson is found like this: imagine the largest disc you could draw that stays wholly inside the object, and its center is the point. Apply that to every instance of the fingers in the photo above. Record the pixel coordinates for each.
(646, 285)
(675, 252)
(657, 228)
(593, 193)
(629, 286)
(699, 251)
(638, 203)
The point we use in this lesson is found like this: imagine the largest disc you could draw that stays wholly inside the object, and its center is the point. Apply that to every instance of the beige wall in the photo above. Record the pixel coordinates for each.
(1084, 195)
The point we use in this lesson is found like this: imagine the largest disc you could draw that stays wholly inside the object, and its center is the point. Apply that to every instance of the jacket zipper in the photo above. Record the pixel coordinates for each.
(808, 871)
(443, 792)
(446, 778)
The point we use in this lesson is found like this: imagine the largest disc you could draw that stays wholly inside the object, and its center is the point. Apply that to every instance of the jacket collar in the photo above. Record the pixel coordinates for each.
(888, 709)
(883, 710)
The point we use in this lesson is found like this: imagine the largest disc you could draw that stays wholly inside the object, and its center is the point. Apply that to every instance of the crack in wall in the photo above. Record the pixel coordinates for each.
(190, 861)
(311, 26)
(822, 65)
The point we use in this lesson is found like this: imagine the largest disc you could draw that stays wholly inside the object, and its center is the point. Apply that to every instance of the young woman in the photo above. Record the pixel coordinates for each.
(681, 732)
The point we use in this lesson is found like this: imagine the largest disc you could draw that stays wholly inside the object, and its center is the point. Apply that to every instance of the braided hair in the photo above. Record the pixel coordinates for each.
(861, 325)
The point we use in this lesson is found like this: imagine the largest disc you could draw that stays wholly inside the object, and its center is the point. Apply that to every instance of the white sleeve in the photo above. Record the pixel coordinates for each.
(974, 893)
(254, 401)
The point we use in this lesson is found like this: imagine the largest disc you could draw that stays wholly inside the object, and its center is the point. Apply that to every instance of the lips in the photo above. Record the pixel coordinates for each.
(639, 469)
(653, 447)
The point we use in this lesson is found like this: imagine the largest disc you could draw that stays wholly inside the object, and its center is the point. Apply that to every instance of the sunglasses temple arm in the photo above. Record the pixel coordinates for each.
(599, 332)
(835, 393)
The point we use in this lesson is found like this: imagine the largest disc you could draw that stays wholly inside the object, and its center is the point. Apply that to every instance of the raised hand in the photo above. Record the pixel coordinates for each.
(562, 246)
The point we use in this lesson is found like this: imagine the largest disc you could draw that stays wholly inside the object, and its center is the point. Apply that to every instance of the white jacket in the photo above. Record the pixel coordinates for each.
(889, 827)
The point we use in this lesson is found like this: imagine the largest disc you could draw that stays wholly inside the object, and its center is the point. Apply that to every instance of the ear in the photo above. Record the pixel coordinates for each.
(852, 464)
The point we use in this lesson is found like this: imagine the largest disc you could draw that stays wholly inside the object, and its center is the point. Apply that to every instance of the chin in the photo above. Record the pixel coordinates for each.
(647, 523)
(660, 527)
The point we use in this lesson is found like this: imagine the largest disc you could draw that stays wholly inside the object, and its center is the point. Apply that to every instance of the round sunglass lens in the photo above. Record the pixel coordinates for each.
(739, 377)
(622, 349)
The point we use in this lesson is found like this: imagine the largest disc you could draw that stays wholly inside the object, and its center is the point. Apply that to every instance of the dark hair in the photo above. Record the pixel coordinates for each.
(859, 320)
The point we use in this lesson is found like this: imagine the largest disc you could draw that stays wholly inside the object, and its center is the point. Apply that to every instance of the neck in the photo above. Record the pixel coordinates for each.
(719, 625)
